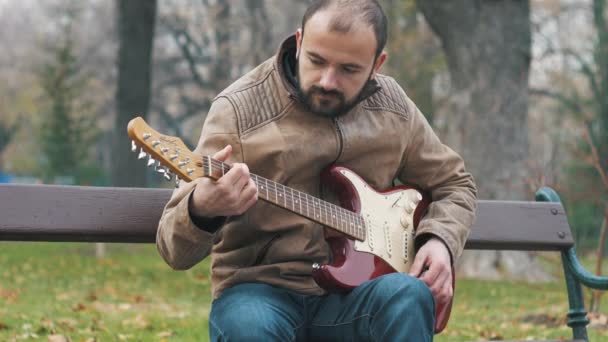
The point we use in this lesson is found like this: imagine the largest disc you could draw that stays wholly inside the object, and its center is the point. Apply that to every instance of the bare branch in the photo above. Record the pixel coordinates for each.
(595, 159)
(571, 104)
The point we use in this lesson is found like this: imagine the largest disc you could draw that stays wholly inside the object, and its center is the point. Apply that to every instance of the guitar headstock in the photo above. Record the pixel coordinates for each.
(169, 155)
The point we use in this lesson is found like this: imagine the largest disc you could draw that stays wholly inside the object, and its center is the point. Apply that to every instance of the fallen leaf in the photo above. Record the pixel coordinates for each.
(139, 299)
(163, 334)
(58, 338)
(3, 326)
(67, 323)
(138, 322)
(597, 320)
(92, 296)
(79, 307)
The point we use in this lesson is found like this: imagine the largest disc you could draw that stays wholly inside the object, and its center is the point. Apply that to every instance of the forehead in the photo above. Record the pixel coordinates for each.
(358, 45)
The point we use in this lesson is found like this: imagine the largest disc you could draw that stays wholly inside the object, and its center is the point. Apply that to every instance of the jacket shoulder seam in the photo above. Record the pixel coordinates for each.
(390, 98)
(257, 103)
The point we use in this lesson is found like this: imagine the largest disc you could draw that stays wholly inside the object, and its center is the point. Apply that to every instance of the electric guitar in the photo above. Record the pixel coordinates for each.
(370, 234)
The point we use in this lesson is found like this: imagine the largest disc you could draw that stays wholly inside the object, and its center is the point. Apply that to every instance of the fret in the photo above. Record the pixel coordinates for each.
(300, 201)
(323, 212)
(341, 219)
(317, 210)
(334, 216)
(362, 226)
(279, 194)
(307, 205)
(284, 196)
(210, 166)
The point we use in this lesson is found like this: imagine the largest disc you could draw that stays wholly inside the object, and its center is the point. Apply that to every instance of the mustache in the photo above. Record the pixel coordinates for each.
(321, 91)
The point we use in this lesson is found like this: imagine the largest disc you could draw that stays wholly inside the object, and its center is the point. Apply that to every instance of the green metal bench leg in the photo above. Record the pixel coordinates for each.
(577, 316)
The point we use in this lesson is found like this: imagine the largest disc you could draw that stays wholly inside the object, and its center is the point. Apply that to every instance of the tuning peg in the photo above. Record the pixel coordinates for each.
(133, 146)
(168, 175)
(142, 154)
(151, 161)
(176, 181)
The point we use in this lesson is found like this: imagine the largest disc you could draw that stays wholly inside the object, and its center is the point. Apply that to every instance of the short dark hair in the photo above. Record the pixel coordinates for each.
(369, 11)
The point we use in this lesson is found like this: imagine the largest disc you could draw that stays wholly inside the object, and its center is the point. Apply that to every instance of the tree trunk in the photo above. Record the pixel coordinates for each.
(262, 46)
(488, 49)
(136, 21)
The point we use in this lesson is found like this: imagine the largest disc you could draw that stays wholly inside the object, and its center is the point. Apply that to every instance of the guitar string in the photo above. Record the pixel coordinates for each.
(310, 201)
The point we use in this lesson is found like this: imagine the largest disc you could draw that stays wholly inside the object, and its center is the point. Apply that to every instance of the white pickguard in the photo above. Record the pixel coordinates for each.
(389, 223)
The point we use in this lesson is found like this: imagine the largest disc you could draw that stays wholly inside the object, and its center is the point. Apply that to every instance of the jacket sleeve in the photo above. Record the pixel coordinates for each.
(180, 242)
(439, 170)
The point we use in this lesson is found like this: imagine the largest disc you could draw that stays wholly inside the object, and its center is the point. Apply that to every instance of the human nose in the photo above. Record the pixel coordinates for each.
(328, 80)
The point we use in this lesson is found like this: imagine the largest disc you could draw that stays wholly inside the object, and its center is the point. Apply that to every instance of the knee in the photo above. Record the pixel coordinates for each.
(243, 324)
(246, 313)
(404, 289)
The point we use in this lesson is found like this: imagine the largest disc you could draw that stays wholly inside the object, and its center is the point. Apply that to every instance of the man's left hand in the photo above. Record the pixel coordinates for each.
(432, 265)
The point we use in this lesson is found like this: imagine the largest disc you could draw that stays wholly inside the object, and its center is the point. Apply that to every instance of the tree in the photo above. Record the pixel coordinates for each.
(587, 103)
(7, 131)
(414, 54)
(68, 130)
(487, 46)
(136, 22)
(196, 68)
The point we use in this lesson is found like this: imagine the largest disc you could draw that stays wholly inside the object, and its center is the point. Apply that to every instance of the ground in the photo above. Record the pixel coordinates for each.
(61, 292)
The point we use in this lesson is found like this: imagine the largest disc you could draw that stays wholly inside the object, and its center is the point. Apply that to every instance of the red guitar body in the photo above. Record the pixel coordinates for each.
(351, 267)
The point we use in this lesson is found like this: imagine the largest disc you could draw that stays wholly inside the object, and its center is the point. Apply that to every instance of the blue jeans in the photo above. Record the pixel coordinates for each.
(394, 307)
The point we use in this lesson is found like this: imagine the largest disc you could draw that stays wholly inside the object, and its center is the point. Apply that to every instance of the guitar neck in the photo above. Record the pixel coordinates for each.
(300, 203)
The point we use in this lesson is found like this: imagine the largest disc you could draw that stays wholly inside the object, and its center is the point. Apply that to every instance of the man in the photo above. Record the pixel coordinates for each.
(319, 101)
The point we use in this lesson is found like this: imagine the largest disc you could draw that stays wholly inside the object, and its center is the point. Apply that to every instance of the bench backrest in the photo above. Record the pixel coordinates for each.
(100, 214)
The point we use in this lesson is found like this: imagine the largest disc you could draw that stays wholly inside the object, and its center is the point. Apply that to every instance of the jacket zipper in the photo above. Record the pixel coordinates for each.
(340, 138)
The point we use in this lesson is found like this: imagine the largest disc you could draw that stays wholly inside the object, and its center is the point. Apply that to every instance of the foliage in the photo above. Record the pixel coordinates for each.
(68, 129)
(581, 92)
(414, 54)
(63, 289)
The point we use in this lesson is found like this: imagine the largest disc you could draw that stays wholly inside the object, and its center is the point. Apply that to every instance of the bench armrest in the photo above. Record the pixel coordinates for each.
(546, 194)
(581, 274)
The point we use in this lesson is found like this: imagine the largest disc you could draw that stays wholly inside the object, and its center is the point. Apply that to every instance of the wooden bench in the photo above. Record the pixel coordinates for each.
(93, 214)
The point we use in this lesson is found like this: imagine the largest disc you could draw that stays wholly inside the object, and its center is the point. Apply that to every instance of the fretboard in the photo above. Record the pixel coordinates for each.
(298, 202)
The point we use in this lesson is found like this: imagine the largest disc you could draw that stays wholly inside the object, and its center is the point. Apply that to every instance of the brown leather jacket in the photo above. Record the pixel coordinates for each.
(384, 137)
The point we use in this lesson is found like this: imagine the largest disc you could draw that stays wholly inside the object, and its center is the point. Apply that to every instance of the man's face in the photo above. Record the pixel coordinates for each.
(333, 67)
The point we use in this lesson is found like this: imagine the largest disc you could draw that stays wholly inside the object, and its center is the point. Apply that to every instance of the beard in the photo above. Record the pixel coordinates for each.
(327, 103)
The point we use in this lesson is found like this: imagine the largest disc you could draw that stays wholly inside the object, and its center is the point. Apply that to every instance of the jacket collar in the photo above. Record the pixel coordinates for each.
(286, 65)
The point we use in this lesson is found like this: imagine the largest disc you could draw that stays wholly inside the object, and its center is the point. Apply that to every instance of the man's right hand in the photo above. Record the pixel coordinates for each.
(231, 195)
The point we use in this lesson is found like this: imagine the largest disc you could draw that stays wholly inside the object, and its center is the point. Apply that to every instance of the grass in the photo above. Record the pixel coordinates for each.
(131, 295)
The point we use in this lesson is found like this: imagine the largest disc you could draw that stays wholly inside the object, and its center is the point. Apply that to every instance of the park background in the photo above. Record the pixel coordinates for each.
(519, 88)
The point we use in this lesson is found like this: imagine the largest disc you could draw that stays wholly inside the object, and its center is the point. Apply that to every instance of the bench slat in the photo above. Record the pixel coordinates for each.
(519, 225)
(103, 214)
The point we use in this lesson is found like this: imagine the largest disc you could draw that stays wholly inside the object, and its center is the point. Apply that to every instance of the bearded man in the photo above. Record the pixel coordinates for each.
(319, 101)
